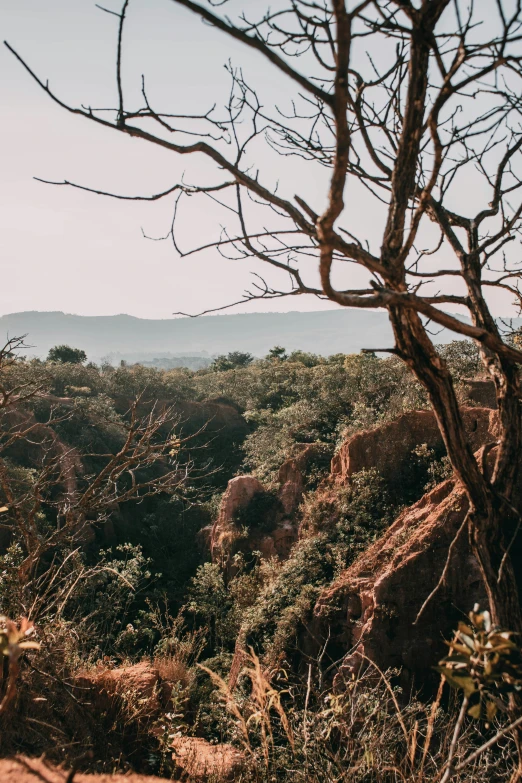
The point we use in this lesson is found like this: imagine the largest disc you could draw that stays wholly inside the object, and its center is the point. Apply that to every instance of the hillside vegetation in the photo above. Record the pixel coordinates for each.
(170, 613)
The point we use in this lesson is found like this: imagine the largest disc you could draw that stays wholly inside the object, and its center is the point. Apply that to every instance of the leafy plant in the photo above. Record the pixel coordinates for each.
(485, 663)
(66, 355)
(14, 641)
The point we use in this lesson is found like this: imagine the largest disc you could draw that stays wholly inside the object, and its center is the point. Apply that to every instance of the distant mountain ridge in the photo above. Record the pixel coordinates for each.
(124, 336)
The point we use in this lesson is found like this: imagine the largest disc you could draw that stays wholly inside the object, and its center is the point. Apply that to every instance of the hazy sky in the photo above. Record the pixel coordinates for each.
(72, 251)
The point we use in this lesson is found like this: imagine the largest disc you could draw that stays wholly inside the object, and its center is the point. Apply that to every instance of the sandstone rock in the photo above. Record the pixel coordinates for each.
(25, 770)
(273, 536)
(277, 533)
(238, 494)
(371, 609)
(388, 447)
(200, 761)
(291, 477)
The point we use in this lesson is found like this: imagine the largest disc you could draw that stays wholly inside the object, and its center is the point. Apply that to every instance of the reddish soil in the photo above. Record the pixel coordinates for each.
(25, 770)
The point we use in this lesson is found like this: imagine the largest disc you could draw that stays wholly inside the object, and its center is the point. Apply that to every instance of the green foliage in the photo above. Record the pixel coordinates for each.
(107, 600)
(231, 361)
(10, 594)
(485, 663)
(62, 377)
(425, 469)
(277, 353)
(154, 384)
(92, 425)
(462, 357)
(340, 526)
(64, 354)
(209, 602)
(153, 594)
(515, 339)
(288, 401)
(218, 607)
(426, 463)
(305, 358)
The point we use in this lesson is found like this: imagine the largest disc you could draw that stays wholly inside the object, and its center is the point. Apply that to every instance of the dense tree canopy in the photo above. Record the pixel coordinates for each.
(66, 355)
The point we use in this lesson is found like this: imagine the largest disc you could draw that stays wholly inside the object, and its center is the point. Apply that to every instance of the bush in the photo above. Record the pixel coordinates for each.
(231, 361)
(340, 524)
(64, 354)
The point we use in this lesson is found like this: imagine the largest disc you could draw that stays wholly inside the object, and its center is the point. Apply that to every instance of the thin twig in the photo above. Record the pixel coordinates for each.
(450, 769)
(444, 570)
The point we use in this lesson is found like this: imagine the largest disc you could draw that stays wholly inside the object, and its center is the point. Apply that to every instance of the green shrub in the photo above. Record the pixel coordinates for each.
(64, 354)
(341, 523)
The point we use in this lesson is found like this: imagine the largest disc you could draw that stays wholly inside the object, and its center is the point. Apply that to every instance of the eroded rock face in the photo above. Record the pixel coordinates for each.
(278, 531)
(291, 477)
(388, 447)
(372, 609)
(238, 494)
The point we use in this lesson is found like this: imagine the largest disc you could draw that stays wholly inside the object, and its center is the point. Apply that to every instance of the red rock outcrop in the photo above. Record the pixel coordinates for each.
(226, 535)
(371, 610)
(25, 770)
(200, 761)
(238, 494)
(388, 447)
(291, 477)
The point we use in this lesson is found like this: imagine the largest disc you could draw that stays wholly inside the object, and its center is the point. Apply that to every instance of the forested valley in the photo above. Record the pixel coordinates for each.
(193, 556)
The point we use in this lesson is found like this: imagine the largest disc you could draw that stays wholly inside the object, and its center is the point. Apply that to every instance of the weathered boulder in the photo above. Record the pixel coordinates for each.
(239, 492)
(200, 761)
(292, 485)
(388, 447)
(270, 531)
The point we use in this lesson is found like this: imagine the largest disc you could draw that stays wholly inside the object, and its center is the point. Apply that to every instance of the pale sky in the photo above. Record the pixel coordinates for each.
(67, 250)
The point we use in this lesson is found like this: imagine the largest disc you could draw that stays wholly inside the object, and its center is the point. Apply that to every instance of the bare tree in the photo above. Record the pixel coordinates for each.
(410, 100)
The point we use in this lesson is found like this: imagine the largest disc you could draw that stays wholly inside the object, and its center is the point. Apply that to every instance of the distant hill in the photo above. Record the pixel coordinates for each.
(140, 339)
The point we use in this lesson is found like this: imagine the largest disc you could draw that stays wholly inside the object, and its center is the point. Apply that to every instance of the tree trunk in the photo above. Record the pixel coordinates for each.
(489, 515)
(489, 545)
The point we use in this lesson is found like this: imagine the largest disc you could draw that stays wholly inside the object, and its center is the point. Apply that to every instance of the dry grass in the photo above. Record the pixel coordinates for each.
(172, 669)
(282, 731)
(363, 735)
